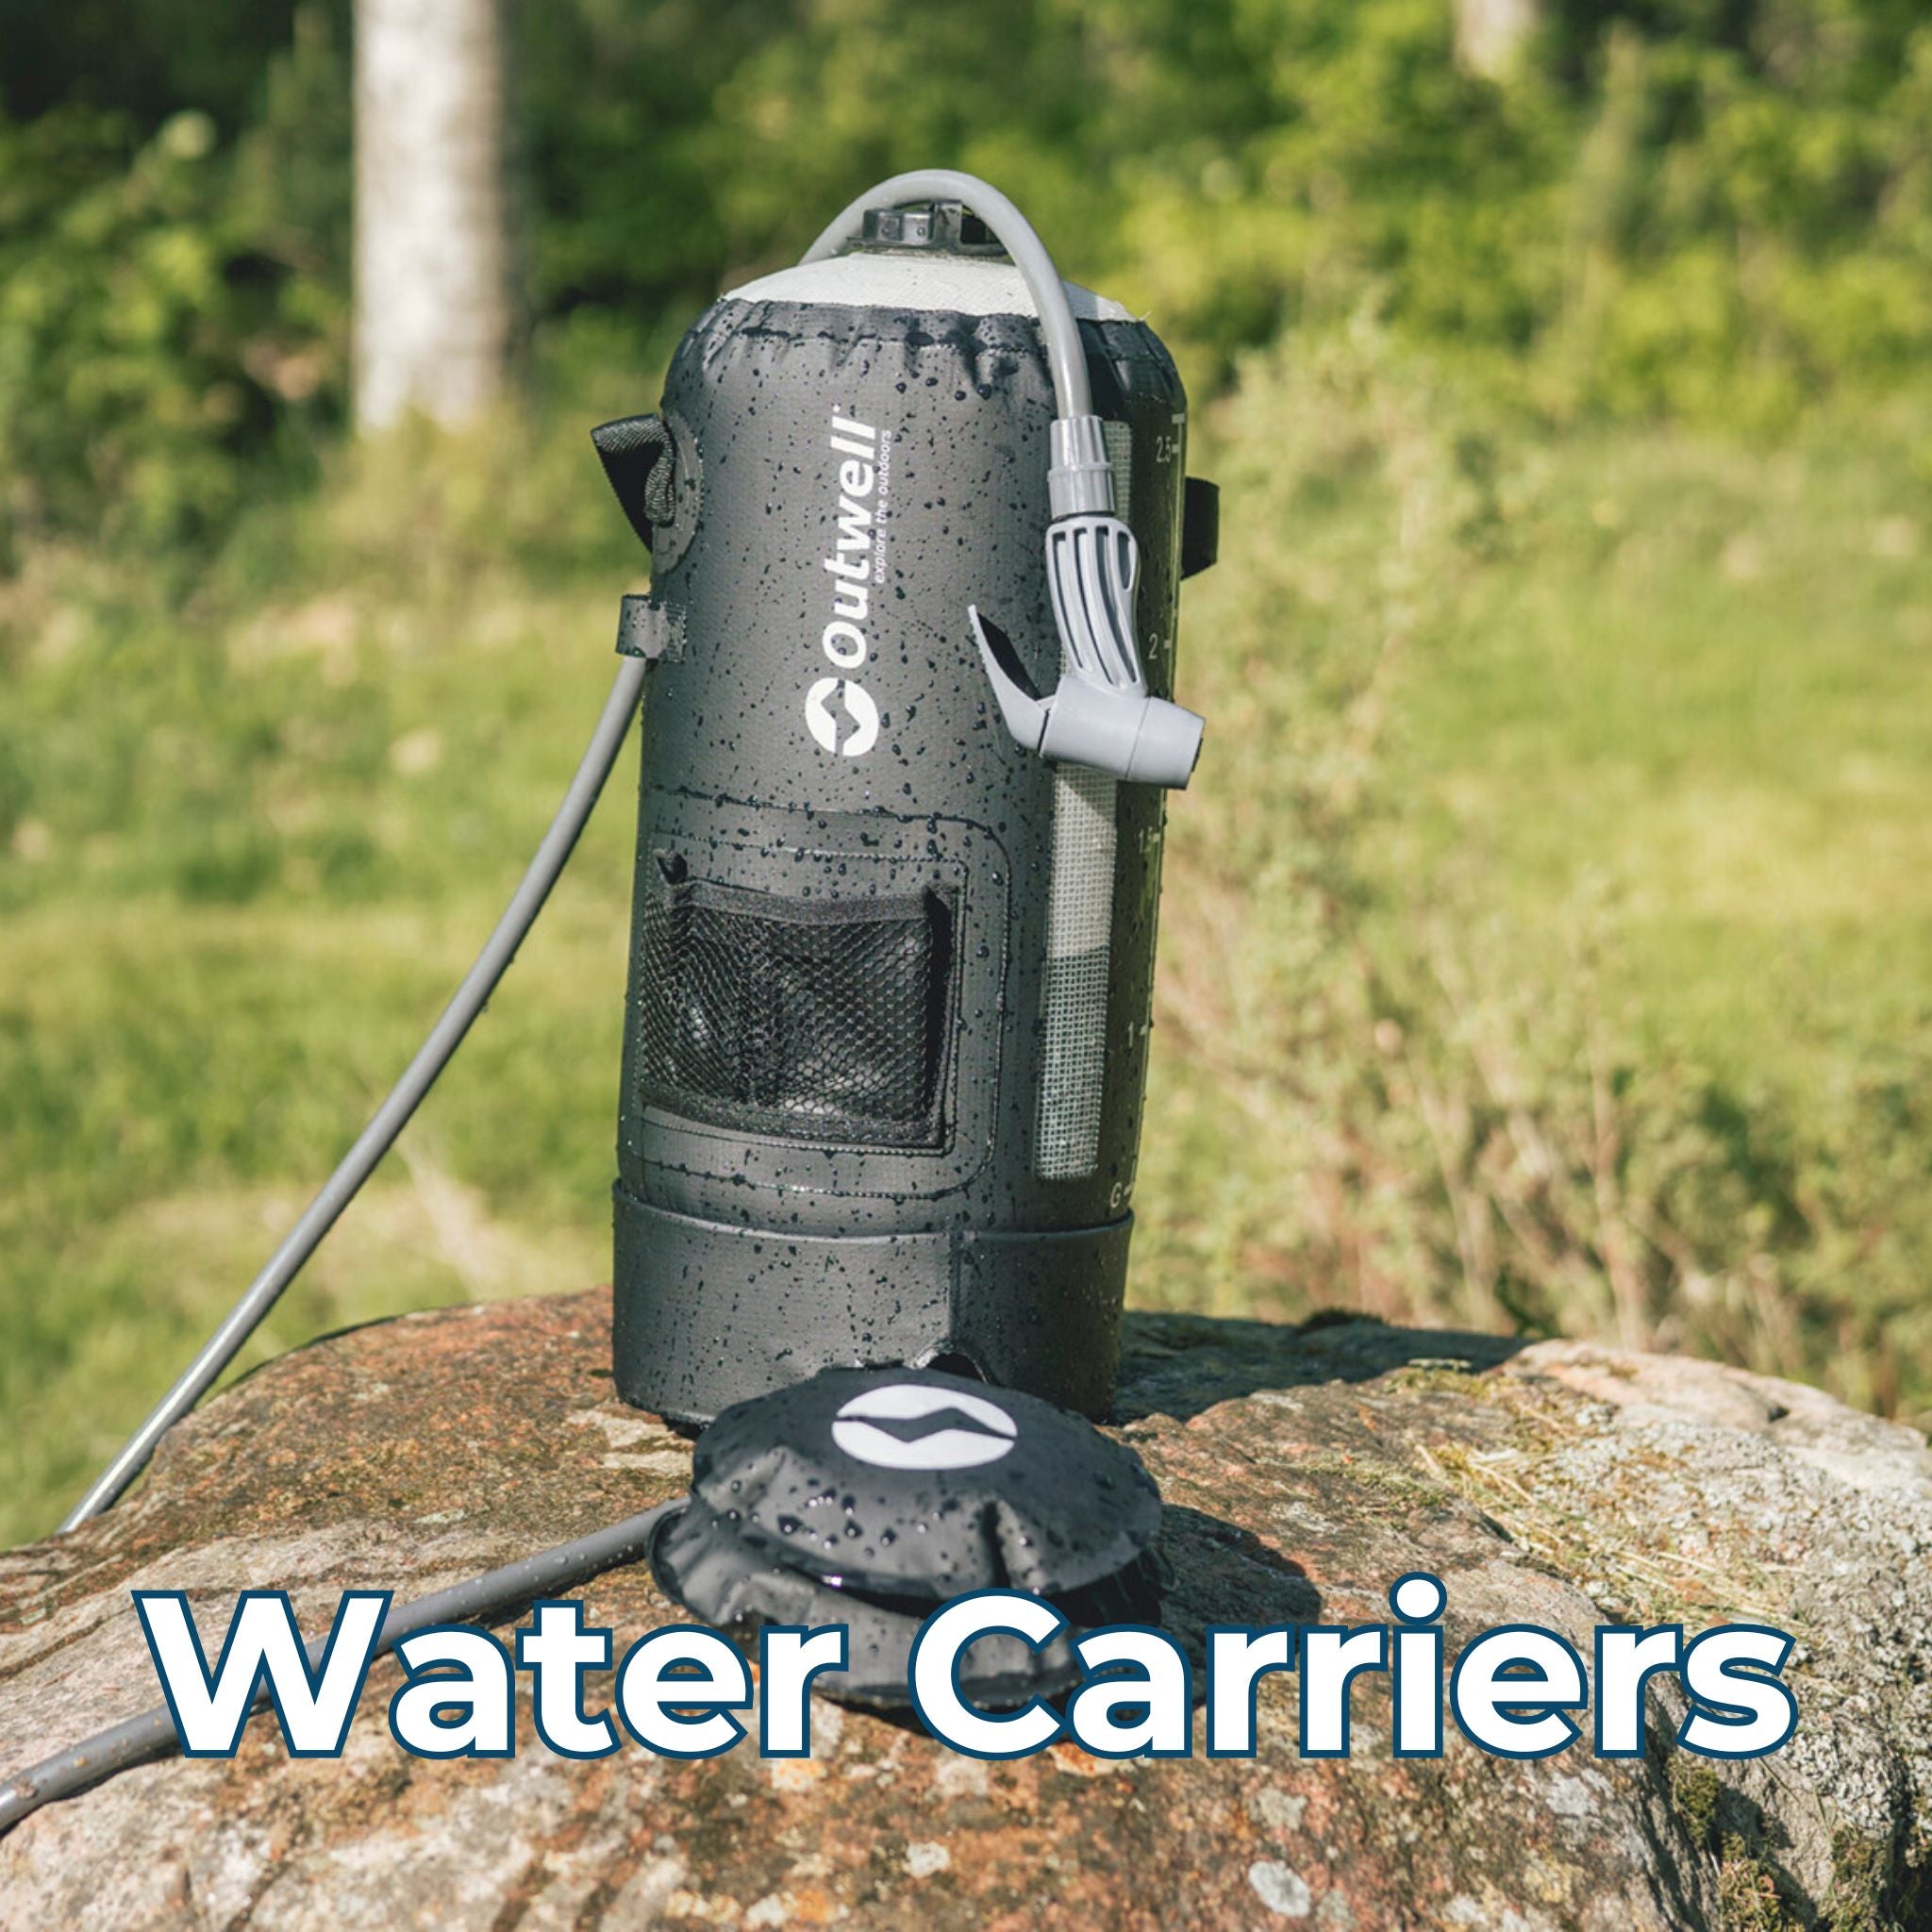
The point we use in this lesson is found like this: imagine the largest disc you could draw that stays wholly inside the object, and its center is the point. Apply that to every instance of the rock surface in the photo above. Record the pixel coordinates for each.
(1304, 1469)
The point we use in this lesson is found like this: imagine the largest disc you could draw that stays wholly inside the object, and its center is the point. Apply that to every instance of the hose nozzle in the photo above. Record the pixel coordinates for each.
(1101, 714)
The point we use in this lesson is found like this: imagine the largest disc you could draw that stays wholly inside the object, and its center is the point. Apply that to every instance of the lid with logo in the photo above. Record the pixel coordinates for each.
(867, 1496)
(927, 1484)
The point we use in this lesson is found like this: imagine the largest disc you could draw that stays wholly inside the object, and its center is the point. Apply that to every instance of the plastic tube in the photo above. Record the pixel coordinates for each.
(393, 1114)
(152, 1735)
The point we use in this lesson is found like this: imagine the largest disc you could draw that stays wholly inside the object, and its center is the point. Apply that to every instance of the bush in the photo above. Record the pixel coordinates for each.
(1678, 208)
(171, 309)
(1443, 1032)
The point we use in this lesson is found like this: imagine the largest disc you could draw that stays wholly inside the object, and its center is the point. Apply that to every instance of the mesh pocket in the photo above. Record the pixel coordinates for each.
(816, 1019)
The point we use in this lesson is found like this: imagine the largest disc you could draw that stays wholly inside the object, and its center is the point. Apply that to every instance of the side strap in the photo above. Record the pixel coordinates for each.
(650, 631)
(1200, 526)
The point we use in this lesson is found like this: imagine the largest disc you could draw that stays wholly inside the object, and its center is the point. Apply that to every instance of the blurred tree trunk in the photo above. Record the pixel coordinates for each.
(1490, 35)
(433, 311)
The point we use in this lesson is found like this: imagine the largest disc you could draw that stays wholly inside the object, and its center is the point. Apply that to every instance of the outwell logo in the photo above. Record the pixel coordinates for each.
(855, 730)
(857, 565)
(914, 1425)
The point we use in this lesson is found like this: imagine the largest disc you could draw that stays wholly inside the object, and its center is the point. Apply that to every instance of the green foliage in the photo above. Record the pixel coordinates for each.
(1751, 224)
(146, 61)
(1541, 949)
(1712, 213)
(171, 307)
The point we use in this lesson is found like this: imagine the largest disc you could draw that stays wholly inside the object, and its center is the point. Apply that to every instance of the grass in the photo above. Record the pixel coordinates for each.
(1561, 928)
(1546, 941)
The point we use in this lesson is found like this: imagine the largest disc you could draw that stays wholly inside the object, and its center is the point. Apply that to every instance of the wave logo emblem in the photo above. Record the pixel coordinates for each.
(913, 1425)
(859, 715)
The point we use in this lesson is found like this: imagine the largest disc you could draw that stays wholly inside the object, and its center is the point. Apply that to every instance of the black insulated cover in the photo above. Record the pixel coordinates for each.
(791, 1197)
(869, 1497)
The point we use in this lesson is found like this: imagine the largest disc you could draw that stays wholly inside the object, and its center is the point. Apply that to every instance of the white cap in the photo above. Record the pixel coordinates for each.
(942, 283)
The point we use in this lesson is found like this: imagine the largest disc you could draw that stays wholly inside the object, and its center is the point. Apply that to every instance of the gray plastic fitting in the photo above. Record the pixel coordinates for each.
(1079, 478)
(1101, 713)
(1146, 741)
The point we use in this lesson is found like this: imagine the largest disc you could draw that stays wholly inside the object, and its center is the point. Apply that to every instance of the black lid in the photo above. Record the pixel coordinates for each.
(866, 1496)
(917, 1483)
